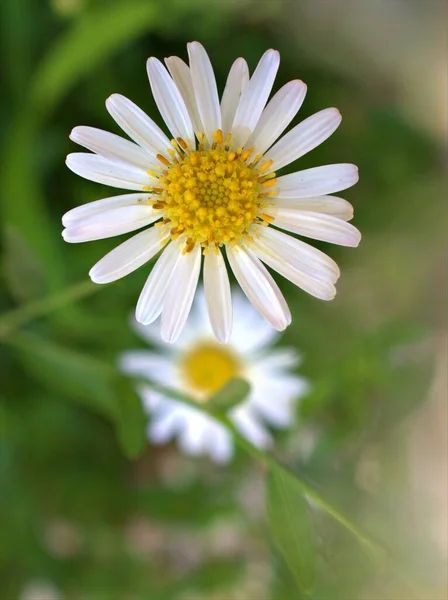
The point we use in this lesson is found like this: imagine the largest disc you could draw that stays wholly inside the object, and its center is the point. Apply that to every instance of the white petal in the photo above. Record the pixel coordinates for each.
(128, 256)
(180, 294)
(283, 263)
(170, 102)
(152, 400)
(193, 437)
(329, 205)
(138, 125)
(220, 444)
(92, 208)
(150, 302)
(254, 97)
(286, 390)
(277, 360)
(142, 363)
(249, 425)
(110, 223)
(318, 226)
(259, 287)
(277, 115)
(151, 333)
(303, 138)
(180, 72)
(317, 181)
(113, 173)
(112, 146)
(206, 92)
(165, 425)
(217, 294)
(236, 82)
(301, 255)
(251, 332)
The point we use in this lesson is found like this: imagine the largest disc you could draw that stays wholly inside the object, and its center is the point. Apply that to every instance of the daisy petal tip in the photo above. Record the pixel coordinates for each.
(74, 134)
(356, 239)
(195, 45)
(169, 337)
(94, 276)
(281, 324)
(139, 318)
(152, 62)
(223, 337)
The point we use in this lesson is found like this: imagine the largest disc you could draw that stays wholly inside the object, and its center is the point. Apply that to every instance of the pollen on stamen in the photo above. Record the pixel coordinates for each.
(265, 166)
(269, 183)
(217, 136)
(163, 160)
(210, 195)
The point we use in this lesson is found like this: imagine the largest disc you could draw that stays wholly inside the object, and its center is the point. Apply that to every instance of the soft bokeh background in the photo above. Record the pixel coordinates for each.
(82, 520)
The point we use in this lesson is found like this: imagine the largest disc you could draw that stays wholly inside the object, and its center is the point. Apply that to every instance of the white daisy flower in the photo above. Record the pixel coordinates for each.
(199, 367)
(212, 188)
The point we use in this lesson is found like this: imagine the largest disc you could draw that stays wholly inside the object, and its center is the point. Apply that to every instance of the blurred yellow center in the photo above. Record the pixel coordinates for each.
(208, 367)
(212, 196)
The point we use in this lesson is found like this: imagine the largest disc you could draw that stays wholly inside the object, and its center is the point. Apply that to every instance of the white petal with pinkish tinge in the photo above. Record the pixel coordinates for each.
(248, 423)
(113, 173)
(303, 138)
(128, 256)
(112, 146)
(217, 294)
(251, 332)
(170, 102)
(318, 226)
(236, 82)
(329, 205)
(136, 123)
(317, 181)
(181, 74)
(179, 294)
(254, 98)
(259, 287)
(205, 90)
(283, 263)
(150, 302)
(98, 206)
(145, 364)
(277, 115)
(110, 223)
(301, 255)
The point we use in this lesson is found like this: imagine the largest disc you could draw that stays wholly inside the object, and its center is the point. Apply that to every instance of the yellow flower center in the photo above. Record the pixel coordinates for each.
(208, 367)
(211, 196)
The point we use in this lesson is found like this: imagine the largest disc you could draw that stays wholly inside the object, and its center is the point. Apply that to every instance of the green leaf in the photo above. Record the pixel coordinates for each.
(93, 39)
(230, 395)
(75, 54)
(24, 273)
(86, 379)
(130, 418)
(290, 526)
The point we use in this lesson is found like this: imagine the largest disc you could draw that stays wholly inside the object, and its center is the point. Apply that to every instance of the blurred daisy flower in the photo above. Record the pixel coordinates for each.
(199, 367)
(212, 188)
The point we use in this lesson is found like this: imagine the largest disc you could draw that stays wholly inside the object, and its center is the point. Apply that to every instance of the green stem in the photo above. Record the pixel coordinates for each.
(270, 462)
(14, 319)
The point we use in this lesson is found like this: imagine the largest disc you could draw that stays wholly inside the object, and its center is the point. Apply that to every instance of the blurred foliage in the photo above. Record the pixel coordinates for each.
(77, 513)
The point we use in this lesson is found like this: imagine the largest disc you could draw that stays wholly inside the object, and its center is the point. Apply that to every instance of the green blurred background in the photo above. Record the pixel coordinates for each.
(88, 511)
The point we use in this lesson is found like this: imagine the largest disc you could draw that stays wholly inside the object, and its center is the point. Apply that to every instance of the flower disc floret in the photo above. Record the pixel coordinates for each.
(207, 367)
(211, 196)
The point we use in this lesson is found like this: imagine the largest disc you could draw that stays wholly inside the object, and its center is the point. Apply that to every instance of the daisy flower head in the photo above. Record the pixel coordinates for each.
(212, 189)
(199, 367)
